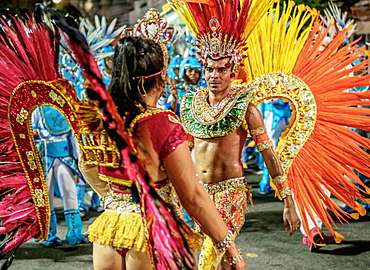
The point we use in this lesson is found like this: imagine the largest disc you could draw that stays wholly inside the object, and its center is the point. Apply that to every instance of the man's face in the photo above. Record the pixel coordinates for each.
(193, 75)
(218, 74)
(109, 63)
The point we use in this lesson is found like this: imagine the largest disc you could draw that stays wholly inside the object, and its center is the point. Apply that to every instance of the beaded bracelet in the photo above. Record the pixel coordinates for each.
(282, 185)
(225, 243)
(234, 260)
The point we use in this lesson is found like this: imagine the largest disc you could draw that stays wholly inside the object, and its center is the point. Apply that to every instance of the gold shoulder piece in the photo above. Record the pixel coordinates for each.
(95, 145)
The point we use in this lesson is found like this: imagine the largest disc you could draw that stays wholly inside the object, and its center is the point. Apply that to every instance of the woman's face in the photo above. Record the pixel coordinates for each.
(177, 71)
(192, 75)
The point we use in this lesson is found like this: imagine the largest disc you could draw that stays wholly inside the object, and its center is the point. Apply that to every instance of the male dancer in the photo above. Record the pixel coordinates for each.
(218, 147)
(219, 118)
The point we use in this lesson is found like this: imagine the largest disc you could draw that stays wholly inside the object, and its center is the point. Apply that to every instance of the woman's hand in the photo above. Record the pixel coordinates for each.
(233, 259)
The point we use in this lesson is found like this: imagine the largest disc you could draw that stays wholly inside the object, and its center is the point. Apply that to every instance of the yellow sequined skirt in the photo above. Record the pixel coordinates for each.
(121, 225)
(119, 231)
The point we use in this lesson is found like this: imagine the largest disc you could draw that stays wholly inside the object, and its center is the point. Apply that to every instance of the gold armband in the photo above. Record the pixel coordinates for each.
(261, 138)
(258, 131)
(264, 145)
(282, 186)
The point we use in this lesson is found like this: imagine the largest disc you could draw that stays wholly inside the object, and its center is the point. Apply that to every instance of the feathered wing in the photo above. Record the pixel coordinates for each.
(24, 204)
(170, 250)
(28, 78)
(317, 149)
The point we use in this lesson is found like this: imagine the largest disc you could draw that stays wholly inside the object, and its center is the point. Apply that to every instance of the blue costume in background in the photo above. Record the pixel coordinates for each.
(173, 77)
(57, 150)
(184, 86)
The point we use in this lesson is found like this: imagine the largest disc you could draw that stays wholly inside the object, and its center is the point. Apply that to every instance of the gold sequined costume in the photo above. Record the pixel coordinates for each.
(231, 200)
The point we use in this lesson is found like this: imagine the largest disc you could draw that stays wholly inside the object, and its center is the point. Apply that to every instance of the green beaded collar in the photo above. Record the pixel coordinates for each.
(203, 121)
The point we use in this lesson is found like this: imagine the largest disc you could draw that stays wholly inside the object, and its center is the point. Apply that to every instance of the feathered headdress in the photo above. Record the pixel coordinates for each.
(100, 35)
(340, 17)
(221, 27)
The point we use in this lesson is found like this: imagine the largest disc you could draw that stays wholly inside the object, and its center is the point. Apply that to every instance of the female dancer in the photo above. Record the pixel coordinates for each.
(137, 84)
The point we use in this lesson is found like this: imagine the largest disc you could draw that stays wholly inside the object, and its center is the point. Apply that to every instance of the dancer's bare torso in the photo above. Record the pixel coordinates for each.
(218, 158)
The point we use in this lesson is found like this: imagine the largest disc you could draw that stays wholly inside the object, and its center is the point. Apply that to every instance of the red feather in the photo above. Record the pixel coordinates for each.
(27, 52)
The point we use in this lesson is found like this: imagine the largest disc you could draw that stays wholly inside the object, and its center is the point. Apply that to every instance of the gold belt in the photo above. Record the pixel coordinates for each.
(120, 202)
(110, 179)
(226, 184)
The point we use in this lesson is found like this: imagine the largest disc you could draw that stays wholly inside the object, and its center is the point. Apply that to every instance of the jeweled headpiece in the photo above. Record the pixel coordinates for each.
(221, 27)
(154, 28)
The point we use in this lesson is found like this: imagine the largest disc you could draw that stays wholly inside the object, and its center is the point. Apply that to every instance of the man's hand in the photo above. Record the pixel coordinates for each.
(36, 132)
(290, 216)
(173, 91)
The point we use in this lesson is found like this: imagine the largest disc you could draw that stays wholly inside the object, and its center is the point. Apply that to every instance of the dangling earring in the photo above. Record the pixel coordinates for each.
(141, 89)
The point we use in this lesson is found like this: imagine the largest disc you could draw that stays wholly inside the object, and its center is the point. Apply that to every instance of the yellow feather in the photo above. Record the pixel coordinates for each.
(183, 11)
(276, 42)
(166, 6)
(256, 12)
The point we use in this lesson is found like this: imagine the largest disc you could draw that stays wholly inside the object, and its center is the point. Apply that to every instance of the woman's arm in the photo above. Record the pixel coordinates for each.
(195, 199)
(91, 175)
(193, 196)
(168, 143)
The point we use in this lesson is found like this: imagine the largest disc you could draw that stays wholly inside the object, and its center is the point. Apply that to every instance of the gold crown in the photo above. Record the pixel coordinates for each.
(154, 28)
(219, 45)
(151, 27)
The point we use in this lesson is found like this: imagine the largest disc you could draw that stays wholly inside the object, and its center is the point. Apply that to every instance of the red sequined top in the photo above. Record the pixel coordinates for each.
(166, 133)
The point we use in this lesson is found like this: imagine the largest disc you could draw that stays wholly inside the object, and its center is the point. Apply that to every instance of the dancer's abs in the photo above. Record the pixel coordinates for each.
(218, 159)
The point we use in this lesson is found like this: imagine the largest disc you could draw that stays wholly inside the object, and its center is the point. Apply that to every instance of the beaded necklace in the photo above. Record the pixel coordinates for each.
(210, 113)
(204, 121)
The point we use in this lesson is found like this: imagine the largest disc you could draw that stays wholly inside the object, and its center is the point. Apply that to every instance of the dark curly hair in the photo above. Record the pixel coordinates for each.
(134, 57)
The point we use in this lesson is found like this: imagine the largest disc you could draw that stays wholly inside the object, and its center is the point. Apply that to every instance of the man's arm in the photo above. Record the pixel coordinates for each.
(264, 146)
